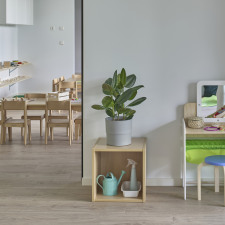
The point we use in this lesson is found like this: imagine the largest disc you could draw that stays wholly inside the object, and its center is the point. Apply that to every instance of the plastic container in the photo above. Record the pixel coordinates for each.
(125, 188)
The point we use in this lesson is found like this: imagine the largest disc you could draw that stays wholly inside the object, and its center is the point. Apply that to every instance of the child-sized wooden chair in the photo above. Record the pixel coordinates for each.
(50, 123)
(35, 117)
(25, 123)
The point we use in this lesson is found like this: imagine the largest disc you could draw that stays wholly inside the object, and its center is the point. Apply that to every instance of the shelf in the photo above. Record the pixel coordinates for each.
(14, 80)
(113, 159)
(117, 198)
(11, 68)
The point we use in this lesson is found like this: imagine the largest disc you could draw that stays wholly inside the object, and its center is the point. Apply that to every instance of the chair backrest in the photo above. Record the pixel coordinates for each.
(14, 105)
(58, 105)
(20, 104)
(78, 85)
(76, 76)
(55, 83)
(62, 78)
(35, 95)
(65, 85)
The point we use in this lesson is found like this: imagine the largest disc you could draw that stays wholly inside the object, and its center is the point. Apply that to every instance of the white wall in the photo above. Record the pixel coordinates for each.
(78, 36)
(8, 52)
(40, 46)
(170, 46)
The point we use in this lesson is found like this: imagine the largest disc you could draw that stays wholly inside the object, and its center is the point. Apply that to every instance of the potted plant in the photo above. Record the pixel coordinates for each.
(118, 105)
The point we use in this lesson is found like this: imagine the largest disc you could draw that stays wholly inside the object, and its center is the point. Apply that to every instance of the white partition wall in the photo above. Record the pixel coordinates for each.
(170, 46)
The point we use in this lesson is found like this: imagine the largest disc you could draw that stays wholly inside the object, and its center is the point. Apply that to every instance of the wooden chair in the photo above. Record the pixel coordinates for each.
(71, 85)
(35, 117)
(76, 77)
(62, 78)
(14, 105)
(50, 123)
(78, 126)
(55, 83)
(78, 88)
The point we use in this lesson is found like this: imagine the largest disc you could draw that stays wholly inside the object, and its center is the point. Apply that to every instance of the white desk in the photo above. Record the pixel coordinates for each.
(190, 133)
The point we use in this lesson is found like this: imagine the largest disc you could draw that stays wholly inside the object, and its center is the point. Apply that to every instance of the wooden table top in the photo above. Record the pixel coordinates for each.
(137, 145)
(201, 131)
(39, 104)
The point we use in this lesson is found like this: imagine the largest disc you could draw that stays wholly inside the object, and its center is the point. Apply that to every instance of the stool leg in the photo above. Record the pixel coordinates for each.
(216, 178)
(199, 180)
(41, 125)
(224, 183)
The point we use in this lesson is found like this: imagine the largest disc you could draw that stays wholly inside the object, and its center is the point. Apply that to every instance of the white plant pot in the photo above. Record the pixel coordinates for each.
(118, 132)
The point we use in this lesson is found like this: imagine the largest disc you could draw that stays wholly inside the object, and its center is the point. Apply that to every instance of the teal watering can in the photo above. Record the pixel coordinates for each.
(110, 183)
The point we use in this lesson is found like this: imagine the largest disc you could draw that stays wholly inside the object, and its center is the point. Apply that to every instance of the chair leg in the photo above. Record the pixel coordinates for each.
(51, 131)
(67, 131)
(199, 179)
(29, 132)
(80, 131)
(10, 133)
(25, 136)
(46, 133)
(70, 133)
(2, 134)
(76, 131)
(21, 131)
(216, 178)
(41, 125)
(71, 130)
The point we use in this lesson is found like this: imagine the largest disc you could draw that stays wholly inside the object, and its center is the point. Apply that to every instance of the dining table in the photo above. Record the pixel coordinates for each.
(40, 104)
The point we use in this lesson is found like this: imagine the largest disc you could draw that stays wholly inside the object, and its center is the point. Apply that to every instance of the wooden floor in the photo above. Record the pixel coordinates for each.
(42, 185)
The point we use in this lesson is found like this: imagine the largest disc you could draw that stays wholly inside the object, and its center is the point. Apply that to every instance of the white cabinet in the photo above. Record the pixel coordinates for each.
(16, 12)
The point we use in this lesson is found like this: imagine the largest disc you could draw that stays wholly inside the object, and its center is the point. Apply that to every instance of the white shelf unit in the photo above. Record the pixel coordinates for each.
(12, 68)
(11, 81)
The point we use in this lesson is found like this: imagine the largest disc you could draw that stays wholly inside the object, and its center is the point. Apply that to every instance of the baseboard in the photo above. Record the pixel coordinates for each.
(86, 181)
(163, 182)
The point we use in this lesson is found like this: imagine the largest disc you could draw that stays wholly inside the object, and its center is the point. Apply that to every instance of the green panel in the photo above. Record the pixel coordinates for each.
(197, 150)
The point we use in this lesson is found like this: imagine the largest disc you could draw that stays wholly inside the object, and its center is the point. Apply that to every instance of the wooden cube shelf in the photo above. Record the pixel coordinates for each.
(113, 159)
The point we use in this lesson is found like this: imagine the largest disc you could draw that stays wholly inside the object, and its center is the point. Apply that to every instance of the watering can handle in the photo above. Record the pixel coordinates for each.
(97, 180)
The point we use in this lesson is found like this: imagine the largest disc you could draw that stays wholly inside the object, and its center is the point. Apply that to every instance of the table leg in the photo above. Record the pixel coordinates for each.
(224, 184)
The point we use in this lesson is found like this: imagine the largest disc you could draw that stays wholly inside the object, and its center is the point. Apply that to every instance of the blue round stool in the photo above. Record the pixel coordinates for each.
(216, 161)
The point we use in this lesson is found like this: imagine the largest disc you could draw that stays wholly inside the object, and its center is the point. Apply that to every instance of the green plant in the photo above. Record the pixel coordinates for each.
(119, 90)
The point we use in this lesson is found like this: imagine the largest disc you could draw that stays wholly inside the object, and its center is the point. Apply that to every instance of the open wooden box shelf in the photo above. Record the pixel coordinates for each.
(114, 159)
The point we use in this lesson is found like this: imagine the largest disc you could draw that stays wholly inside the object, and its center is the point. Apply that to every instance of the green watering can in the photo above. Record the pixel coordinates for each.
(110, 183)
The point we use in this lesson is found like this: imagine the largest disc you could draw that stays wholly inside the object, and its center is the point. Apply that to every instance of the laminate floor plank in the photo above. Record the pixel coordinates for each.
(41, 185)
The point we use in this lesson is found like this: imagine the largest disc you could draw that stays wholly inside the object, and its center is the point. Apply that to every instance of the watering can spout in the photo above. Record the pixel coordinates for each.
(122, 173)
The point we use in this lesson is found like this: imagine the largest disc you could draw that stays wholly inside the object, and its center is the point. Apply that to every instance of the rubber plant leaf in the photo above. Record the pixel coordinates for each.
(114, 80)
(125, 96)
(107, 101)
(109, 112)
(131, 79)
(109, 81)
(98, 107)
(137, 102)
(123, 77)
(107, 89)
(133, 96)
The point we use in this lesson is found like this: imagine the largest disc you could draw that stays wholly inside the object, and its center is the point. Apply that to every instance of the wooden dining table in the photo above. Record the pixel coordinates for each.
(40, 104)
